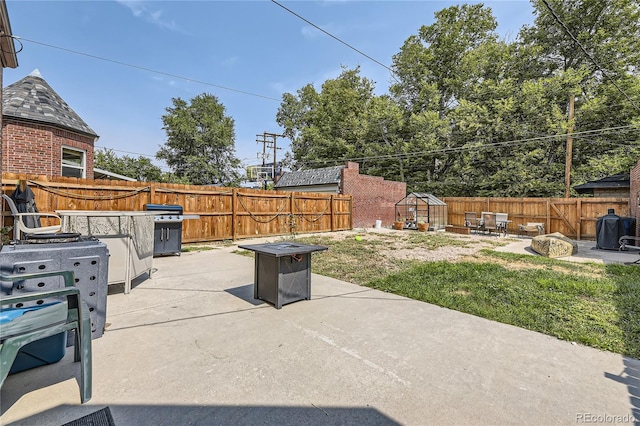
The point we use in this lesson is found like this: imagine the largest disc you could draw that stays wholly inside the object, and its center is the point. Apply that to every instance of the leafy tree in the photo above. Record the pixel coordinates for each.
(200, 144)
(139, 168)
(429, 65)
(609, 30)
(329, 124)
(345, 120)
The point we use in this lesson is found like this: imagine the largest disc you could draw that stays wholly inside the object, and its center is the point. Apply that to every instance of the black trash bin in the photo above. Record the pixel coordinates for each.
(629, 224)
(609, 229)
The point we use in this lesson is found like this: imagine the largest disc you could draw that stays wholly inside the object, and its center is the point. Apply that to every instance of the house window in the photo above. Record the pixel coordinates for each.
(73, 163)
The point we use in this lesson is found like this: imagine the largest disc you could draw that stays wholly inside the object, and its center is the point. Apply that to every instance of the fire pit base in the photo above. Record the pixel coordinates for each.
(282, 271)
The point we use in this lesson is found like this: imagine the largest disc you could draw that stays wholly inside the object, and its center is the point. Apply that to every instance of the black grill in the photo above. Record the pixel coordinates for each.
(167, 232)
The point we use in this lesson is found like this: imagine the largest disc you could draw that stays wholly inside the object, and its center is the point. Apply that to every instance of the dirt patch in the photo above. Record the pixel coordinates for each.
(393, 244)
(407, 244)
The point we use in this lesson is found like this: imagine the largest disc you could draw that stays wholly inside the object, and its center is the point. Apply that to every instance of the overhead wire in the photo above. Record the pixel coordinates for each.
(21, 39)
(475, 145)
(139, 67)
(591, 58)
(336, 38)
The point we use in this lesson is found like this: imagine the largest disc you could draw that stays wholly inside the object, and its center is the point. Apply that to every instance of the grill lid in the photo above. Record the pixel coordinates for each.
(175, 208)
(60, 237)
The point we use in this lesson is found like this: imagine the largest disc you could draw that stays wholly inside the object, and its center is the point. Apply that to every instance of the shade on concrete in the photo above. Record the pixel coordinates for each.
(192, 346)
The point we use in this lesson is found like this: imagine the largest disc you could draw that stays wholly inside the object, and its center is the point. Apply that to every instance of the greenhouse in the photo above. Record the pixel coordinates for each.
(422, 207)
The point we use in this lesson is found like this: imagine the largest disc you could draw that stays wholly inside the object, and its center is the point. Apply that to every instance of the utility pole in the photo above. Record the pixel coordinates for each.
(269, 140)
(567, 162)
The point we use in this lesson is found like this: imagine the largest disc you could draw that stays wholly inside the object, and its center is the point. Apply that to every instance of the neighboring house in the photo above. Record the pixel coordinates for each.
(616, 186)
(373, 197)
(105, 174)
(41, 134)
(325, 180)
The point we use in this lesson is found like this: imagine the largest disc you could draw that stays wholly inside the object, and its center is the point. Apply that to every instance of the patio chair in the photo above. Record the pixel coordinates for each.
(471, 221)
(502, 221)
(627, 241)
(489, 222)
(29, 317)
(537, 227)
(22, 225)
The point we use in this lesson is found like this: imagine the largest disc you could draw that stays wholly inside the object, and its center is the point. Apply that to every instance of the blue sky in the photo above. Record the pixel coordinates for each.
(256, 48)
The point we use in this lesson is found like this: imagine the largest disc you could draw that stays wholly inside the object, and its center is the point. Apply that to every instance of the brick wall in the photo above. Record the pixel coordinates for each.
(373, 197)
(37, 148)
(634, 195)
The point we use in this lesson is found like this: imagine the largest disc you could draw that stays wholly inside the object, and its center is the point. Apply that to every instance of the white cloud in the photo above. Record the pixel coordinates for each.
(292, 86)
(140, 10)
(231, 61)
(311, 32)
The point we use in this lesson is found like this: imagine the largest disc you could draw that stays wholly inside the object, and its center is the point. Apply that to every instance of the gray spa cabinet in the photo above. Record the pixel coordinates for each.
(282, 271)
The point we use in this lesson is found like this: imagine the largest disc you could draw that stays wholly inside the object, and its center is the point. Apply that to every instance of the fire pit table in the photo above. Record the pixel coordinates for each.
(282, 271)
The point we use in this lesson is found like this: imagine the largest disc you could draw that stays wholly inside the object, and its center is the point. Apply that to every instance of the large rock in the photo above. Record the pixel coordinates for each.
(554, 245)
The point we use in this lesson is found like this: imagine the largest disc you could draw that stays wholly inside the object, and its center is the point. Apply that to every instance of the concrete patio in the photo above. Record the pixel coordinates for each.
(191, 346)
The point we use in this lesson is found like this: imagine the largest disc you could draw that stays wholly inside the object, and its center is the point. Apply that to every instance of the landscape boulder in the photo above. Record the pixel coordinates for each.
(554, 245)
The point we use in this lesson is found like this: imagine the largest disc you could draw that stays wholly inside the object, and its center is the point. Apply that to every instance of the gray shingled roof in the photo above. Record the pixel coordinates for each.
(324, 176)
(432, 200)
(33, 99)
(609, 182)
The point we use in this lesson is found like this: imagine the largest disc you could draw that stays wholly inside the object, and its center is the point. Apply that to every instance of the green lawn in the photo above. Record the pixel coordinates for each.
(592, 304)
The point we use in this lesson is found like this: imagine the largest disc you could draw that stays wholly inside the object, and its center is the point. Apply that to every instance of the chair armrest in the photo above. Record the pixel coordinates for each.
(70, 289)
(39, 214)
(627, 241)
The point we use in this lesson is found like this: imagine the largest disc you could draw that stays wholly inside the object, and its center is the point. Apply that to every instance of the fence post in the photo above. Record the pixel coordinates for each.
(234, 197)
(332, 213)
(579, 218)
(292, 220)
(152, 193)
(548, 226)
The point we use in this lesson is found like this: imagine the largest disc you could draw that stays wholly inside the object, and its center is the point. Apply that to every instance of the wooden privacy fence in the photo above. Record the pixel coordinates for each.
(225, 213)
(573, 217)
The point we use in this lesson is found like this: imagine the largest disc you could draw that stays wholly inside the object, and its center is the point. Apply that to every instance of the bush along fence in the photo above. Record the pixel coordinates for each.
(225, 213)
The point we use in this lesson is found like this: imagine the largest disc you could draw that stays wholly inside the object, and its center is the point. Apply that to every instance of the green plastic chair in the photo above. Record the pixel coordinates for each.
(42, 323)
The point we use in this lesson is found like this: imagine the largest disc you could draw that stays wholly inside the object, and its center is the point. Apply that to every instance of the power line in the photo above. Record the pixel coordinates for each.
(591, 58)
(336, 38)
(126, 152)
(471, 145)
(139, 67)
(163, 167)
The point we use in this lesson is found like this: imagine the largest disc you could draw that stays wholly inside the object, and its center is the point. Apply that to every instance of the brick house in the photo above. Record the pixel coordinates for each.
(41, 134)
(373, 197)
